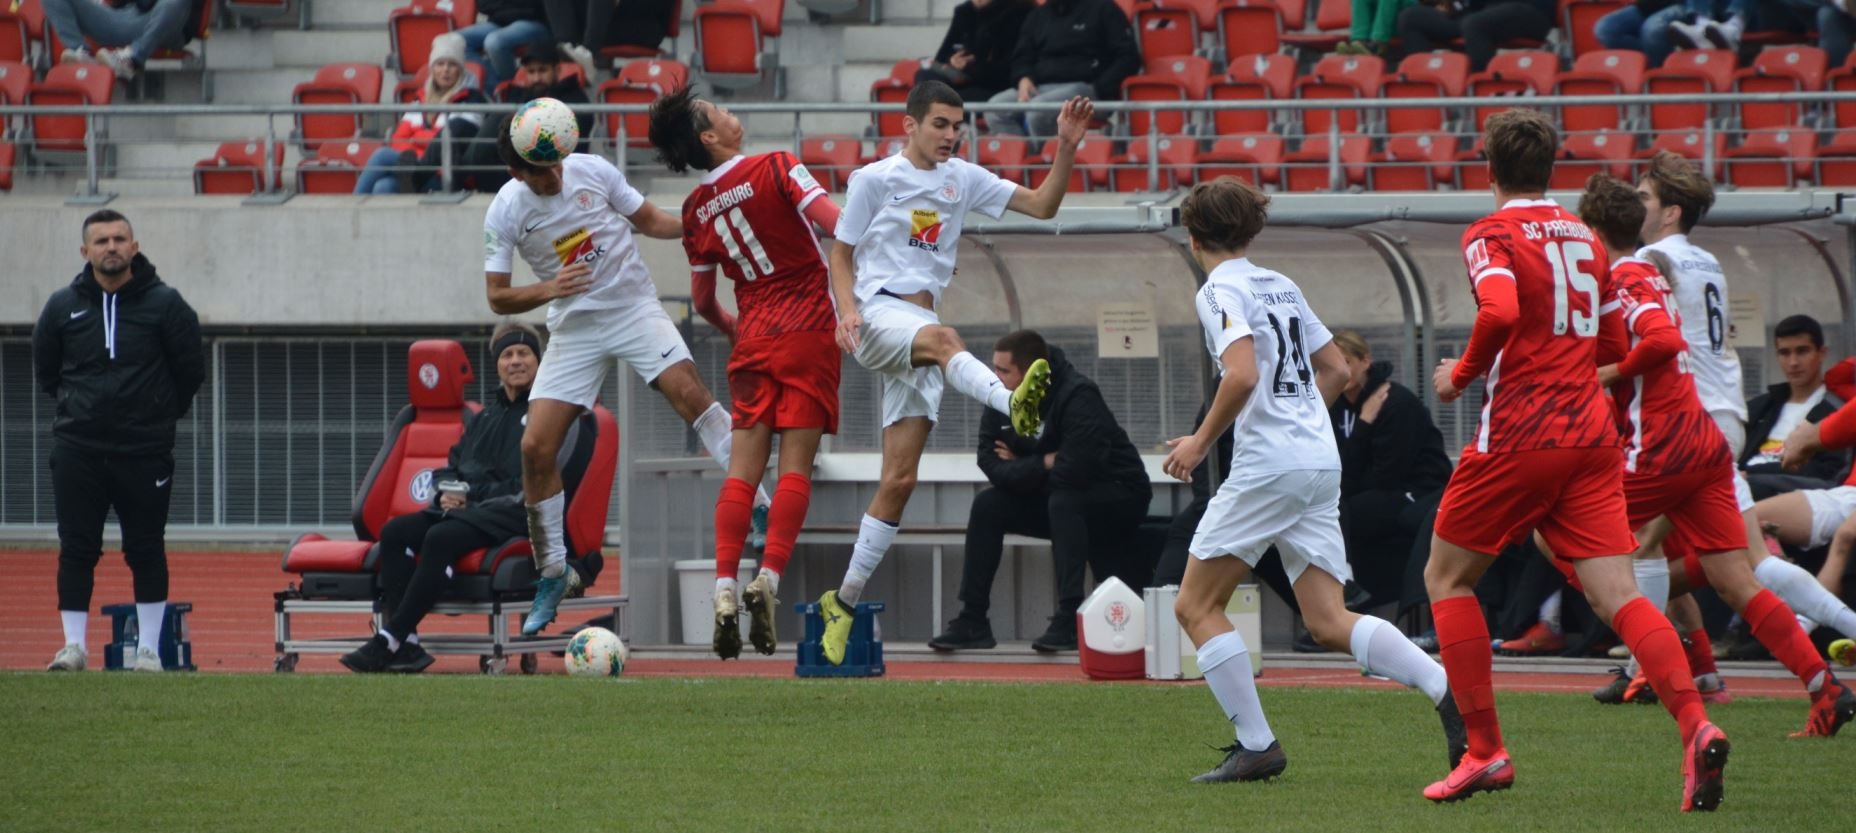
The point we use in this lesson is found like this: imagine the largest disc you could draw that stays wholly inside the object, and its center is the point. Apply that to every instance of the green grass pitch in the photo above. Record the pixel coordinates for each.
(449, 753)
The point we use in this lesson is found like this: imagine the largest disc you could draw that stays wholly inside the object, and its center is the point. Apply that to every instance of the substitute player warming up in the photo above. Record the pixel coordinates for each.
(752, 218)
(1280, 371)
(1546, 456)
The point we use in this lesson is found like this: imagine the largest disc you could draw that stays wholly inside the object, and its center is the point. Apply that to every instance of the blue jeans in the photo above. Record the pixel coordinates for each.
(1835, 30)
(1042, 125)
(379, 177)
(498, 44)
(1627, 28)
(143, 32)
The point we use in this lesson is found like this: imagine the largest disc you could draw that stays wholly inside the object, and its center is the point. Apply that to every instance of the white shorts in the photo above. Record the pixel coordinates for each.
(1296, 511)
(1829, 508)
(583, 346)
(886, 344)
(1743, 493)
(1731, 428)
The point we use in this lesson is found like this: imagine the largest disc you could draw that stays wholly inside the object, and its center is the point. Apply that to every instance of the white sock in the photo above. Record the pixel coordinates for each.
(1708, 682)
(773, 579)
(412, 638)
(1632, 669)
(544, 535)
(1382, 650)
(76, 627)
(717, 430)
(1550, 612)
(1226, 664)
(1652, 580)
(1795, 586)
(725, 584)
(393, 643)
(873, 540)
(148, 618)
(1735, 25)
(973, 378)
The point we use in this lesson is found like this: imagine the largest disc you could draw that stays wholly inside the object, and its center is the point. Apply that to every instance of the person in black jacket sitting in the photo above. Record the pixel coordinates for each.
(1066, 48)
(975, 57)
(1803, 396)
(478, 504)
(1079, 483)
(1482, 24)
(541, 69)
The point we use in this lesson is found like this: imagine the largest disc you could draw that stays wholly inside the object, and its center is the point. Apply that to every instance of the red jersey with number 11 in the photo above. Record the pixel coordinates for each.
(1542, 387)
(747, 218)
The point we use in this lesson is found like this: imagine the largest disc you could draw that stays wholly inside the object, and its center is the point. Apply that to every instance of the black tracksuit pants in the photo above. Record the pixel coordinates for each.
(415, 551)
(1086, 528)
(85, 485)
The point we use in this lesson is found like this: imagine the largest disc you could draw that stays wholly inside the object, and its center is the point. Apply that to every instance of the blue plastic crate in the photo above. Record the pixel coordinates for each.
(863, 657)
(176, 650)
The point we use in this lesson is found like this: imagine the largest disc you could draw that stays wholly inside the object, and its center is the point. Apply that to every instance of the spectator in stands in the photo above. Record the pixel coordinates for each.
(1721, 26)
(1482, 24)
(1392, 461)
(120, 352)
(1372, 27)
(975, 57)
(1079, 483)
(478, 504)
(508, 26)
(411, 155)
(541, 69)
(585, 28)
(1066, 48)
(130, 31)
(1642, 26)
(1799, 342)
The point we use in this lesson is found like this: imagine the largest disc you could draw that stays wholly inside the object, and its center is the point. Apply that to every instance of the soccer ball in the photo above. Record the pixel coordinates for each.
(595, 652)
(544, 131)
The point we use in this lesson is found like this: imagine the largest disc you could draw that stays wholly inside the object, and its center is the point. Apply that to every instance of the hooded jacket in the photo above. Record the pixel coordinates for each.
(1762, 412)
(1091, 446)
(123, 366)
(489, 458)
(1077, 41)
(1401, 450)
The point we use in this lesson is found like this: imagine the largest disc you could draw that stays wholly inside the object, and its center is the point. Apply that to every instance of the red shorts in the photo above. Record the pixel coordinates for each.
(1699, 503)
(1573, 496)
(1682, 556)
(786, 381)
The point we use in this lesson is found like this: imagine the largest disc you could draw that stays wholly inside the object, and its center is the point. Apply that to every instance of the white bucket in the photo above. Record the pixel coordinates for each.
(696, 581)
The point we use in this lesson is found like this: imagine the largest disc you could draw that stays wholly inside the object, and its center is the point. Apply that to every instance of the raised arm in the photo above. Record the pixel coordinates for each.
(1072, 124)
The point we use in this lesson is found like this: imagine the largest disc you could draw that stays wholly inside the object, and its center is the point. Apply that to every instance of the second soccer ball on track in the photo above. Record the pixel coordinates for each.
(595, 652)
(544, 131)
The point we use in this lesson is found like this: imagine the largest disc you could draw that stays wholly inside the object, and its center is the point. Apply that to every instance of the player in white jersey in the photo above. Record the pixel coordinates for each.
(893, 258)
(572, 223)
(1280, 370)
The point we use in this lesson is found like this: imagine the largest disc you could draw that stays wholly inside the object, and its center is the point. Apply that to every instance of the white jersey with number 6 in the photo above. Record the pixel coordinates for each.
(1701, 296)
(1285, 425)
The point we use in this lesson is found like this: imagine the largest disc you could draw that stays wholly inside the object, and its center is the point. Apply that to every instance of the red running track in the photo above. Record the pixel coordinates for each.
(233, 630)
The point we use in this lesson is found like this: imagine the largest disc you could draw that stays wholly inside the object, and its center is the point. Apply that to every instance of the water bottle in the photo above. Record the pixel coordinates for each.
(131, 633)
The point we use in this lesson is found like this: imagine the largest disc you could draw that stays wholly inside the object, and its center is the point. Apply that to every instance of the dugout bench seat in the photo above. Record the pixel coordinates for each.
(342, 576)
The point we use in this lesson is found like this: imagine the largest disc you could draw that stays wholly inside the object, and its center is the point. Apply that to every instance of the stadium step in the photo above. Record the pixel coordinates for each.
(258, 86)
(348, 14)
(313, 49)
(890, 42)
(157, 130)
(240, 49)
(855, 78)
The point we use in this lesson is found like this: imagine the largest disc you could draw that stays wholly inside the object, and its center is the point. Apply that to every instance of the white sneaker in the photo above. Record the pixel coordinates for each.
(120, 61)
(1619, 652)
(1719, 36)
(1687, 35)
(147, 659)
(70, 658)
(80, 55)
(727, 628)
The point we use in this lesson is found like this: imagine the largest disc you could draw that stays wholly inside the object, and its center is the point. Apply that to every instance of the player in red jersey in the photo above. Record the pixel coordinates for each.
(1545, 457)
(1677, 463)
(752, 219)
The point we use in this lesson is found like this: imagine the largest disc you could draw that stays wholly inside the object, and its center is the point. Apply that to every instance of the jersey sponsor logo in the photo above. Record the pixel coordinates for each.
(925, 225)
(1211, 302)
(1477, 255)
(726, 200)
(577, 247)
(583, 200)
(802, 178)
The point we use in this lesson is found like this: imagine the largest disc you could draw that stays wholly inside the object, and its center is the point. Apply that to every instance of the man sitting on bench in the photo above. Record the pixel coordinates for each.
(477, 503)
(1080, 483)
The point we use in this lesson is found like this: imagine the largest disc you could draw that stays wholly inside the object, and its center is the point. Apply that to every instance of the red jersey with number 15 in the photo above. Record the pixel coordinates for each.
(747, 218)
(1666, 430)
(1541, 390)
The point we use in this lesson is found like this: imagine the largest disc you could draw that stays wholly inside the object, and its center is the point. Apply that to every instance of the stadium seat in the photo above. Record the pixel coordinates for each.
(1180, 78)
(1177, 161)
(1427, 75)
(335, 84)
(1772, 158)
(1165, 31)
(1204, 12)
(1333, 19)
(9, 156)
(1256, 159)
(1780, 69)
(1094, 158)
(1307, 168)
(1687, 72)
(335, 168)
(886, 148)
(15, 36)
(1584, 154)
(891, 90)
(1835, 165)
(665, 75)
(831, 158)
(1256, 78)
(737, 43)
(411, 28)
(1005, 156)
(1472, 169)
(1842, 113)
(1603, 72)
(1414, 162)
(68, 84)
(15, 82)
(239, 168)
(639, 82)
(1249, 27)
(1580, 19)
(1509, 75)
(1339, 77)
(621, 51)
(1690, 143)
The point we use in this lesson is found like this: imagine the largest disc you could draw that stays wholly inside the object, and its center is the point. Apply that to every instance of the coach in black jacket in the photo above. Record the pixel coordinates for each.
(1079, 483)
(121, 352)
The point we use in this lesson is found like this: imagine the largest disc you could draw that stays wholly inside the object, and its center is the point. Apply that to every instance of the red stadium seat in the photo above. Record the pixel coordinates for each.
(889, 91)
(665, 75)
(15, 40)
(1256, 159)
(1256, 78)
(238, 168)
(736, 42)
(1580, 19)
(1180, 78)
(1512, 74)
(1779, 69)
(831, 158)
(1427, 75)
(1250, 27)
(1584, 154)
(1687, 72)
(411, 29)
(1333, 19)
(1094, 158)
(1843, 113)
(1414, 162)
(886, 148)
(1294, 14)
(1604, 72)
(1692, 144)
(1339, 77)
(15, 82)
(1005, 156)
(1472, 169)
(335, 169)
(636, 127)
(1772, 158)
(1447, 71)
(673, 27)
(1204, 12)
(1307, 168)
(68, 84)
(1166, 31)
(1836, 162)
(1177, 161)
(335, 84)
(9, 156)
(1276, 73)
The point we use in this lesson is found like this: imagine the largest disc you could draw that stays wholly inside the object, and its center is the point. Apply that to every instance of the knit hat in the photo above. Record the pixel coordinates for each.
(447, 47)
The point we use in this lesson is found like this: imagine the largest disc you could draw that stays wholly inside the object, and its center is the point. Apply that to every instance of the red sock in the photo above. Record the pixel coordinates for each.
(734, 515)
(790, 500)
(1463, 639)
(1777, 629)
(1653, 641)
(1700, 652)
